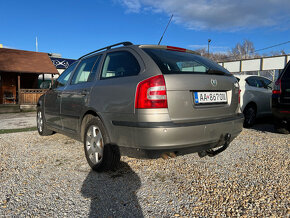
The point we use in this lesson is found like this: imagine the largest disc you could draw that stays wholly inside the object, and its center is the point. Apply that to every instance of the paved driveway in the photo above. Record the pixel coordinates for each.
(17, 120)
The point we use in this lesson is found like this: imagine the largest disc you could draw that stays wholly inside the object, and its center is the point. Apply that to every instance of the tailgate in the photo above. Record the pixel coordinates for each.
(197, 88)
(201, 96)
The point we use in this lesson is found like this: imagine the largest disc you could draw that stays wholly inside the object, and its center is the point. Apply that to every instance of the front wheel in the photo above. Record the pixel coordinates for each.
(41, 124)
(100, 154)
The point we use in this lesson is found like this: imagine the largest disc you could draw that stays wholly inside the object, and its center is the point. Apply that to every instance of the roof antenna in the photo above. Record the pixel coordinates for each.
(165, 30)
(36, 44)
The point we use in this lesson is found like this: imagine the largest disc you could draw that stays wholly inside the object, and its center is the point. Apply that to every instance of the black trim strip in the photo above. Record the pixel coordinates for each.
(172, 124)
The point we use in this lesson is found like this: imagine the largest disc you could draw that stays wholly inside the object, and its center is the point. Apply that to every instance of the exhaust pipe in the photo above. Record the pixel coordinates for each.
(168, 155)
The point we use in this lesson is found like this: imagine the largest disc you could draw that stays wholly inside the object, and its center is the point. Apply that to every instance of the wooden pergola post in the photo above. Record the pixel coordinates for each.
(19, 89)
(51, 80)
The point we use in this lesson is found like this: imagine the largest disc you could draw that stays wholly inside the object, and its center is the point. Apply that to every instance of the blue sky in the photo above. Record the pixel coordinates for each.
(73, 28)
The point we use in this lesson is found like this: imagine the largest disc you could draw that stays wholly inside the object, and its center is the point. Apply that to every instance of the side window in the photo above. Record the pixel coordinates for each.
(64, 77)
(260, 84)
(251, 81)
(84, 72)
(120, 64)
(266, 83)
(255, 82)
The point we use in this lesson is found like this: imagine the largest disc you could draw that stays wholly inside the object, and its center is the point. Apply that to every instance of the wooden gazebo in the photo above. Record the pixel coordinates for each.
(19, 75)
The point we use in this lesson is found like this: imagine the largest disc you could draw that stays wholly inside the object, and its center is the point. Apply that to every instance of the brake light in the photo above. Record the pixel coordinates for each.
(277, 88)
(151, 93)
(172, 48)
(239, 96)
(285, 112)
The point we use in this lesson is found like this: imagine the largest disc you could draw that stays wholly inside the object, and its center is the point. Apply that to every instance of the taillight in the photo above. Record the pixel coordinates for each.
(239, 96)
(151, 93)
(277, 88)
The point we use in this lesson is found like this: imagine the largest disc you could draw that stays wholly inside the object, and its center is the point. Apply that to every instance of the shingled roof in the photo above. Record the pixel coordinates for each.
(12, 60)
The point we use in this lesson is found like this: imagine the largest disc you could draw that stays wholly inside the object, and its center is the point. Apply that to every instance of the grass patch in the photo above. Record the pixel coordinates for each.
(4, 131)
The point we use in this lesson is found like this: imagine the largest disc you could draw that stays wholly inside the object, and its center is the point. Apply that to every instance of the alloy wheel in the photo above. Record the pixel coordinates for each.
(39, 121)
(94, 144)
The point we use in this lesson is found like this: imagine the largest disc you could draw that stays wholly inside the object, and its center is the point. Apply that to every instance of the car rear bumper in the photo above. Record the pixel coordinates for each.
(150, 139)
(281, 113)
(279, 110)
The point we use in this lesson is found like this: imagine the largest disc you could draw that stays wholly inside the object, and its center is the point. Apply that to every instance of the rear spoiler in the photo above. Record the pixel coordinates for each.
(171, 48)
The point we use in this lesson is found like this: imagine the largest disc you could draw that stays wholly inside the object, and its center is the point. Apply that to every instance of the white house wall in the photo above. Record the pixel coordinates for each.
(257, 64)
(233, 66)
(273, 63)
(251, 65)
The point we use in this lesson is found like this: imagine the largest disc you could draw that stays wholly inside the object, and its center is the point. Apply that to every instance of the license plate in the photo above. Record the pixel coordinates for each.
(210, 97)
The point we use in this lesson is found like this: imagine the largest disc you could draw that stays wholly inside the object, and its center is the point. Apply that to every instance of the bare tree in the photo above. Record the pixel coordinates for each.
(244, 50)
(202, 52)
(276, 53)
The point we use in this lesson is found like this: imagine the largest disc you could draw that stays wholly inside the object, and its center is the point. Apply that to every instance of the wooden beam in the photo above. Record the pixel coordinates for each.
(51, 80)
(19, 89)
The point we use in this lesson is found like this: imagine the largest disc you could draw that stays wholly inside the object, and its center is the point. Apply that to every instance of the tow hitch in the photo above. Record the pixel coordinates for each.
(211, 152)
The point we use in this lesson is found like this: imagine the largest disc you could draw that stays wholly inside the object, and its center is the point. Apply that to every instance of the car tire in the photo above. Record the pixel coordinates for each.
(282, 127)
(250, 113)
(101, 155)
(41, 124)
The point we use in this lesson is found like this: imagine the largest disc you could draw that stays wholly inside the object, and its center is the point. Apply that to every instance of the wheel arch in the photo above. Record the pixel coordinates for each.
(84, 119)
(251, 103)
(40, 101)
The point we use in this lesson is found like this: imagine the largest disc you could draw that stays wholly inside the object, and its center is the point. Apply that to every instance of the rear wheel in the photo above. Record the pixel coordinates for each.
(41, 124)
(250, 115)
(282, 127)
(100, 154)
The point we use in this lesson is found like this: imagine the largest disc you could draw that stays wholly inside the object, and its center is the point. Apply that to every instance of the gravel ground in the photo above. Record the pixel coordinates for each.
(49, 176)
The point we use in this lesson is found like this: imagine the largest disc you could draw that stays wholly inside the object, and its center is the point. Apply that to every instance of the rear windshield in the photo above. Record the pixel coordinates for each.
(175, 62)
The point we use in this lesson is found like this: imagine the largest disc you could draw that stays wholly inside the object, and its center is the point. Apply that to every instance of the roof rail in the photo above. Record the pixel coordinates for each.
(108, 47)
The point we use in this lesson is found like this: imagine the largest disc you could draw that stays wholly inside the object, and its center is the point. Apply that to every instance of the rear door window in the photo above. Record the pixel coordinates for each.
(175, 62)
(255, 82)
(267, 83)
(120, 64)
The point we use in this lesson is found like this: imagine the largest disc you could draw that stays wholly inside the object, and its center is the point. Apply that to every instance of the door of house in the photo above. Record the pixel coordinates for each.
(8, 88)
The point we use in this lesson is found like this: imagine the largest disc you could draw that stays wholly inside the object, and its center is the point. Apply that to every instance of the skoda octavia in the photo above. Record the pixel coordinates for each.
(142, 101)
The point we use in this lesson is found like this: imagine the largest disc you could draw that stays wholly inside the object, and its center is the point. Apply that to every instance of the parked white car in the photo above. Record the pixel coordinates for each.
(255, 97)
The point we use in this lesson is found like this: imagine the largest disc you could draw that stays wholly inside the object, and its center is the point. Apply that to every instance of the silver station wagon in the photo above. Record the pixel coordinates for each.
(142, 101)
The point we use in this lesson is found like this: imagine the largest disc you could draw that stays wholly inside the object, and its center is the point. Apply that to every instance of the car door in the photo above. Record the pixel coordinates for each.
(74, 98)
(267, 90)
(256, 93)
(52, 98)
(115, 88)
